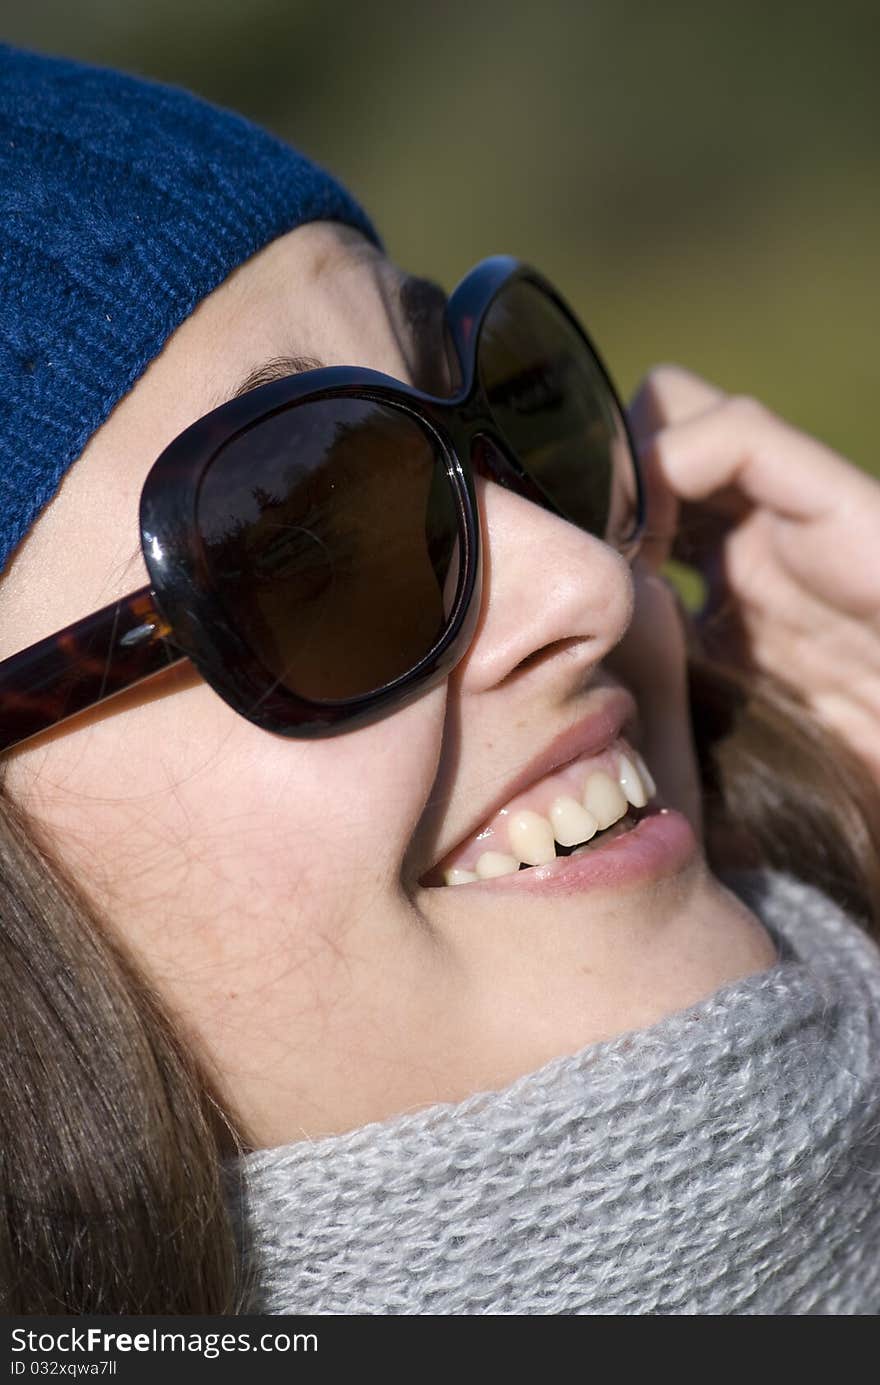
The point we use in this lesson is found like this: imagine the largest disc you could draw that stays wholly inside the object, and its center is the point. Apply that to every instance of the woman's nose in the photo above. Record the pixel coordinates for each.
(546, 584)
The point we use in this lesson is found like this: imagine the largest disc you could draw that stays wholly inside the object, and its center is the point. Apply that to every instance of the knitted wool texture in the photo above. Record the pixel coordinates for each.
(724, 1161)
(122, 204)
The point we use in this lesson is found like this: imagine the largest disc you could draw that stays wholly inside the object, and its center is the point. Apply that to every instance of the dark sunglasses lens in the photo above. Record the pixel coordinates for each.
(331, 537)
(555, 408)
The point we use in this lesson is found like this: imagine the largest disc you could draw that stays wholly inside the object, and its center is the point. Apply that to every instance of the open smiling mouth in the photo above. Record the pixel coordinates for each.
(574, 811)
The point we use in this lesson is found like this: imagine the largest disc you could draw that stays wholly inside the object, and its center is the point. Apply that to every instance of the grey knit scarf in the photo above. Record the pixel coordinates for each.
(726, 1160)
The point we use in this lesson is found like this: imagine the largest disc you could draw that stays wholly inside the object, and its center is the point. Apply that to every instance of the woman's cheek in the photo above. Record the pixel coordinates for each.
(651, 660)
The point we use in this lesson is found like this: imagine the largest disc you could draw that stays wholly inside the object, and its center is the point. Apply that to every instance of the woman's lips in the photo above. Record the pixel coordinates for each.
(661, 844)
(572, 805)
(587, 739)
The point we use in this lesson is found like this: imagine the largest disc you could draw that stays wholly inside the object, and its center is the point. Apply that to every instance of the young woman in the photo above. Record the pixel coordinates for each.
(369, 948)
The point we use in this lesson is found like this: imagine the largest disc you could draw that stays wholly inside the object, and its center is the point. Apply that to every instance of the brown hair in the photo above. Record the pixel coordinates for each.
(781, 790)
(112, 1137)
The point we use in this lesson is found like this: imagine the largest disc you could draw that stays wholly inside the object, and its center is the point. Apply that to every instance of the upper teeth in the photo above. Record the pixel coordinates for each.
(531, 836)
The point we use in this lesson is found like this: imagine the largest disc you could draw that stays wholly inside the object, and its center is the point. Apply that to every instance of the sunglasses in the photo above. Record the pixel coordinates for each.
(314, 545)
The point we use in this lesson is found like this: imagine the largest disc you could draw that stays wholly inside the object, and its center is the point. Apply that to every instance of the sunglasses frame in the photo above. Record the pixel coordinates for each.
(180, 616)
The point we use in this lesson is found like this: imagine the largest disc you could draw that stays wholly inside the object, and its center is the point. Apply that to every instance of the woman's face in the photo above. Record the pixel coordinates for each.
(275, 890)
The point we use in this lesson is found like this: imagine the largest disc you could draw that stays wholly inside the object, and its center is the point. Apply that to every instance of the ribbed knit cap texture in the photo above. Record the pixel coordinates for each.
(724, 1161)
(122, 204)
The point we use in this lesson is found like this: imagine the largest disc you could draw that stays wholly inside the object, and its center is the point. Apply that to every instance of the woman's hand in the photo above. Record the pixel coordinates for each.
(786, 535)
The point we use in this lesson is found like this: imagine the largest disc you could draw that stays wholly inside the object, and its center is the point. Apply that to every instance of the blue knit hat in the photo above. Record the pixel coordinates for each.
(122, 204)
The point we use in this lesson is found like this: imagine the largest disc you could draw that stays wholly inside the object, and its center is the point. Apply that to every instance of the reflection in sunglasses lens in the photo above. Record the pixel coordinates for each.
(330, 534)
(553, 408)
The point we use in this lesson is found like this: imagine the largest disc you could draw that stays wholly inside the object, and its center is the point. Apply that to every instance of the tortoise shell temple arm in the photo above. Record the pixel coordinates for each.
(82, 665)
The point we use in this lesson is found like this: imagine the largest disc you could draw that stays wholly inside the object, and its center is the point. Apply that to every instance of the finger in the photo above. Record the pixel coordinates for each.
(661, 516)
(703, 526)
(740, 451)
(669, 394)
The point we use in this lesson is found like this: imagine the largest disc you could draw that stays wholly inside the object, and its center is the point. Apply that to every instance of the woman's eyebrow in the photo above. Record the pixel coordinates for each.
(422, 306)
(419, 305)
(275, 369)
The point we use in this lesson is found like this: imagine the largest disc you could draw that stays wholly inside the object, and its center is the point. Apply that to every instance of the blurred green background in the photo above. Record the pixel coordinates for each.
(702, 180)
